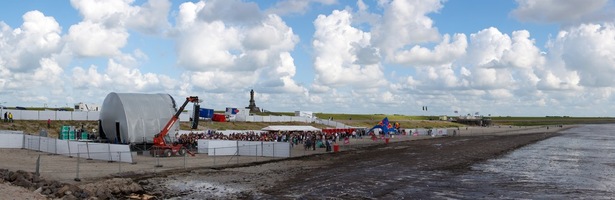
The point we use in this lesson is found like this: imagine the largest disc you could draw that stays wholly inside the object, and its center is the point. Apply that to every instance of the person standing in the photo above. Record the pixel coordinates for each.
(5, 117)
(11, 117)
(327, 145)
(314, 142)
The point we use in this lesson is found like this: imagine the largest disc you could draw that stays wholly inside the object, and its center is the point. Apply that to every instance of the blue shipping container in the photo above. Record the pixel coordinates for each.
(206, 113)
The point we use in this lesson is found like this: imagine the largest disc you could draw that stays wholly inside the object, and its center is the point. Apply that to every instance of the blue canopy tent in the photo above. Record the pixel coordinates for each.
(385, 126)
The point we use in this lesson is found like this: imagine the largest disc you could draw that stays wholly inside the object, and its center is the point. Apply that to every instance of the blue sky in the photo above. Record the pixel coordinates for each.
(508, 58)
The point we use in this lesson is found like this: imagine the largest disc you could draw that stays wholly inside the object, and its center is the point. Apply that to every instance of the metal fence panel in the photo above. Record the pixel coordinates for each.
(79, 116)
(27, 115)
(48, 144)
(62, 147)
(93, 116)
(45, 115)
(10, 140)
(203, 146)
(120, 153)
(64, 115)
(31, 142)
(99, 151)
(222, 148)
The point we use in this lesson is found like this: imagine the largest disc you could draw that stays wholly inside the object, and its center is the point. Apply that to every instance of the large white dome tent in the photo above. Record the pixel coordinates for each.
(136, 118)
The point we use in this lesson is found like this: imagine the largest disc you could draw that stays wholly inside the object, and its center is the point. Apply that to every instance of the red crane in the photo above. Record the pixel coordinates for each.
(161, 147)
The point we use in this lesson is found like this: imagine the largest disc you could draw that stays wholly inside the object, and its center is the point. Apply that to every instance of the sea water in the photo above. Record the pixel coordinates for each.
(579, 164)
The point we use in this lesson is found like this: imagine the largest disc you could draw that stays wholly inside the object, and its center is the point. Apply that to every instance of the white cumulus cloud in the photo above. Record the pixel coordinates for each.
(405, 22)
(218, 47)
(445, 52)
(93, 39)
(588, 50)
(104, 28)
(118, 77)
(287, 7)
(23, 48)
(335, 41)
(556, 10)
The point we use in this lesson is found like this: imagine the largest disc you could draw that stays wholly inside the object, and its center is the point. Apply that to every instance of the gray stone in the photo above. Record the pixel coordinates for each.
(100, 194)
(12, 176)
(69, 197)
(116, 190)
(36, 179)
(47, 192)
(21, 181)
(63, 190)
(39, 190)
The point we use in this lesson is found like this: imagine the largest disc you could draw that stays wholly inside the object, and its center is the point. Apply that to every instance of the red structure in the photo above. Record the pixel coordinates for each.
(329, 131)
(218, 117)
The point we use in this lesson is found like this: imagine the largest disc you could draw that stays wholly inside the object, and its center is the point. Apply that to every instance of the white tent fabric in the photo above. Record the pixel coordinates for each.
(290, 128)
(140, 116)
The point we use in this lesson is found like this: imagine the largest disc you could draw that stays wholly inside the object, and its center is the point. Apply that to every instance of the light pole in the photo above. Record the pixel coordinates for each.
(2, 108)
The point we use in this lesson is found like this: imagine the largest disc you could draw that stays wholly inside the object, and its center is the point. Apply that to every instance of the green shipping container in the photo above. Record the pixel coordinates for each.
(64, 132)
(84, 135)
(71, 135)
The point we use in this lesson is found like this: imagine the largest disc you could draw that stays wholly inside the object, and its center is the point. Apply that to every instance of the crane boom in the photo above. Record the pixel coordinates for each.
(159, 141)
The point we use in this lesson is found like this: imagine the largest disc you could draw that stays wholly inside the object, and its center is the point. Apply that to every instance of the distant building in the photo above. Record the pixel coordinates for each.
(86, 107)
(472, 121)
(308, 114)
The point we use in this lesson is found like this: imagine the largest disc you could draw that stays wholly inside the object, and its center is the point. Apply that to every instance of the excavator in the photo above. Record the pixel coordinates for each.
(163, 149)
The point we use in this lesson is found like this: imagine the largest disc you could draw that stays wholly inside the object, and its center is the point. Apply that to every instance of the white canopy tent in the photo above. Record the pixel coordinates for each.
(290, 128)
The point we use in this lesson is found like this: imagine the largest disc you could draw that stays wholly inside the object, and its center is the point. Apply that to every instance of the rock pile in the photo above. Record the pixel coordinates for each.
(106, 189)
(51, 189)
(116, 187)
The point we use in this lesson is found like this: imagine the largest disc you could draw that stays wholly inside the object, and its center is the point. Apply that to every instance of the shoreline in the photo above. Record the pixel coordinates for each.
(287, 178)
(244, 180)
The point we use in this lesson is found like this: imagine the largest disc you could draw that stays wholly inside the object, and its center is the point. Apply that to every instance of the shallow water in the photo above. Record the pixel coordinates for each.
(580, 164)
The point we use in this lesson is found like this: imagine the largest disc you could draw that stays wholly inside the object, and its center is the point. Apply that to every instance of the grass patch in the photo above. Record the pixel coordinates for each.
(34, 126)
(376, 117)
(404, 123)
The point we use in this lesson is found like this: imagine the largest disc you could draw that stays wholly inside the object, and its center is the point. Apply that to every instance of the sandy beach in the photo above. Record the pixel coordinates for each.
(232, 177)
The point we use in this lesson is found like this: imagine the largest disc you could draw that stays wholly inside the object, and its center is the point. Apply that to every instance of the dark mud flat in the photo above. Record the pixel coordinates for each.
(420, 169)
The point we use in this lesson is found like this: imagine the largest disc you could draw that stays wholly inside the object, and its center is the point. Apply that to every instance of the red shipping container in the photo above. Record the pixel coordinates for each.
(219, 117)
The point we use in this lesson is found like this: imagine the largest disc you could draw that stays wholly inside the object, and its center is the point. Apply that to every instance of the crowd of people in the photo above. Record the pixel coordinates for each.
(309, 139)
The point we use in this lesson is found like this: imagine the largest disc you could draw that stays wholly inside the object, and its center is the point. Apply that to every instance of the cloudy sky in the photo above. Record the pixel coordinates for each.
(503, 58)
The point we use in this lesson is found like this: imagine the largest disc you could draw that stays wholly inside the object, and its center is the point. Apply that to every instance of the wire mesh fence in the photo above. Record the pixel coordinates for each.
(86, 163)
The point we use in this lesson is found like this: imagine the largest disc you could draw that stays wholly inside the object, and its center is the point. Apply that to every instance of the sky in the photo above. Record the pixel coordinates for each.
(454, 57)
